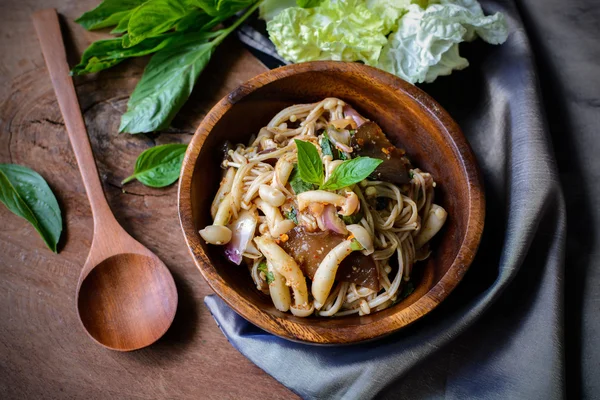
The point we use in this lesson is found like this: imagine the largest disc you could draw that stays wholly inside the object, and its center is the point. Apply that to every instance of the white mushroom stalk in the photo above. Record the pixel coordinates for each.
(286, 266)
(224, 189)
(348, 204)
(218, 233)
(434, 221)
(280, 293)
(325, 275)
(277, 224)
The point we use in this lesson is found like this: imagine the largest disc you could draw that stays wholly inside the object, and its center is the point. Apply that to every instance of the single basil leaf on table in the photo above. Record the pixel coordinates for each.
(297, 184)
(310, 166)
(166, 84)
(25, 193)
(108, 13)
(159, 166)
(155, 17)
(104, 54)
(350, 172)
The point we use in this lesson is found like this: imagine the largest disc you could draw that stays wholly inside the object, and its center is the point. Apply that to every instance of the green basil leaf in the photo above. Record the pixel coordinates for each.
(197, 20)
(292, 215)
(297, 184)
(108, 13)
(159, 166)
(123, 23)
(153, 18)
(310, 166)
(326, 145)
(222, 8)
(167, 83)
(25, 193)
(352, 219)
(351, 172)
(308, 3)
(104, 54)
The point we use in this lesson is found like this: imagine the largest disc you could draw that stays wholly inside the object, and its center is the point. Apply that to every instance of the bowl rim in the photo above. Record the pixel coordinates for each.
(311, 334)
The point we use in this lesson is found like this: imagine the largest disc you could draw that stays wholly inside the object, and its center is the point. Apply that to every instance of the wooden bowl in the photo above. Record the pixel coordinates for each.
(410, 118)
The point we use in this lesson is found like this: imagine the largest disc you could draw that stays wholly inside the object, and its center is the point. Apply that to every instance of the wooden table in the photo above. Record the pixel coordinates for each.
(44, 352)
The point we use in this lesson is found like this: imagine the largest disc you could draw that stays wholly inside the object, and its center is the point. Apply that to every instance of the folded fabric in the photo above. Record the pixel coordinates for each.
(505, 319)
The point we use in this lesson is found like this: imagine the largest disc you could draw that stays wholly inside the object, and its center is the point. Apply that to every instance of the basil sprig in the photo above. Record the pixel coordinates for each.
(310, 168)
(159, 166)
(25, 193)
(180, 34)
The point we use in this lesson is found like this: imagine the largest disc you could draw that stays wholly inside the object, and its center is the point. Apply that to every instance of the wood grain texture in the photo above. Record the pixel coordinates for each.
(411, 119)
(44, 352)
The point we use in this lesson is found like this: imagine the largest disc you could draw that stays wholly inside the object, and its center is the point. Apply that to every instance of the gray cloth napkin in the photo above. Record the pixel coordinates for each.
(500, 334)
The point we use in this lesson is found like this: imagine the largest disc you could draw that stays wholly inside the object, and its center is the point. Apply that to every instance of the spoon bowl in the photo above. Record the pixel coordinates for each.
(118, 315)
(126, 296)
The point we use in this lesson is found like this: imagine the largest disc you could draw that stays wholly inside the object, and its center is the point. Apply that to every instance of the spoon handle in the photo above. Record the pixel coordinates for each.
(48, 31)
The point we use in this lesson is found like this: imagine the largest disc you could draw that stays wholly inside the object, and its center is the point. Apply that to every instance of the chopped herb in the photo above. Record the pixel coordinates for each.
(343, 156)
(297, 184)
(270, 277)
(263, 267)
(411, 174)
(293, 215)
(352, 132)
(326, 145)
(352, 219)
(355, 245)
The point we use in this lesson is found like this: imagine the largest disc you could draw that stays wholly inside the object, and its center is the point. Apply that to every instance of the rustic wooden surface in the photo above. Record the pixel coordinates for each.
(44, 352)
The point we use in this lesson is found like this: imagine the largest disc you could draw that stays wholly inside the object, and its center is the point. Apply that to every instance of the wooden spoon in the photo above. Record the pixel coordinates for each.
(126, 296)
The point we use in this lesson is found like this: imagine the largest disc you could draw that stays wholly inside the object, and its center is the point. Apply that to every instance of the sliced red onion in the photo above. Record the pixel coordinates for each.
(243, 229)
(331, 220)
(348, 110)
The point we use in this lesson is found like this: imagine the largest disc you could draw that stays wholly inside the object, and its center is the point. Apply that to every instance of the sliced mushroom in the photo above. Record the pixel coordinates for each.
(327, 270)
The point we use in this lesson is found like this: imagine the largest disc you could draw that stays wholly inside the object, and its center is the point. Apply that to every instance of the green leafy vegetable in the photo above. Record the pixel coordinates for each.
(297, 184)
(123, 23)
(292, 215)
(326, 146)
(310, 166)
(308, 3)
(104, 54)
(425, 45)
(270, 8)
(25, 193)
(108, 13)
(222, 8)
(169, 78)
(416, 40)
(352, 219)
(167, 83)
(159, 166)
(344, 30)
(153, 18)
(351, 172)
